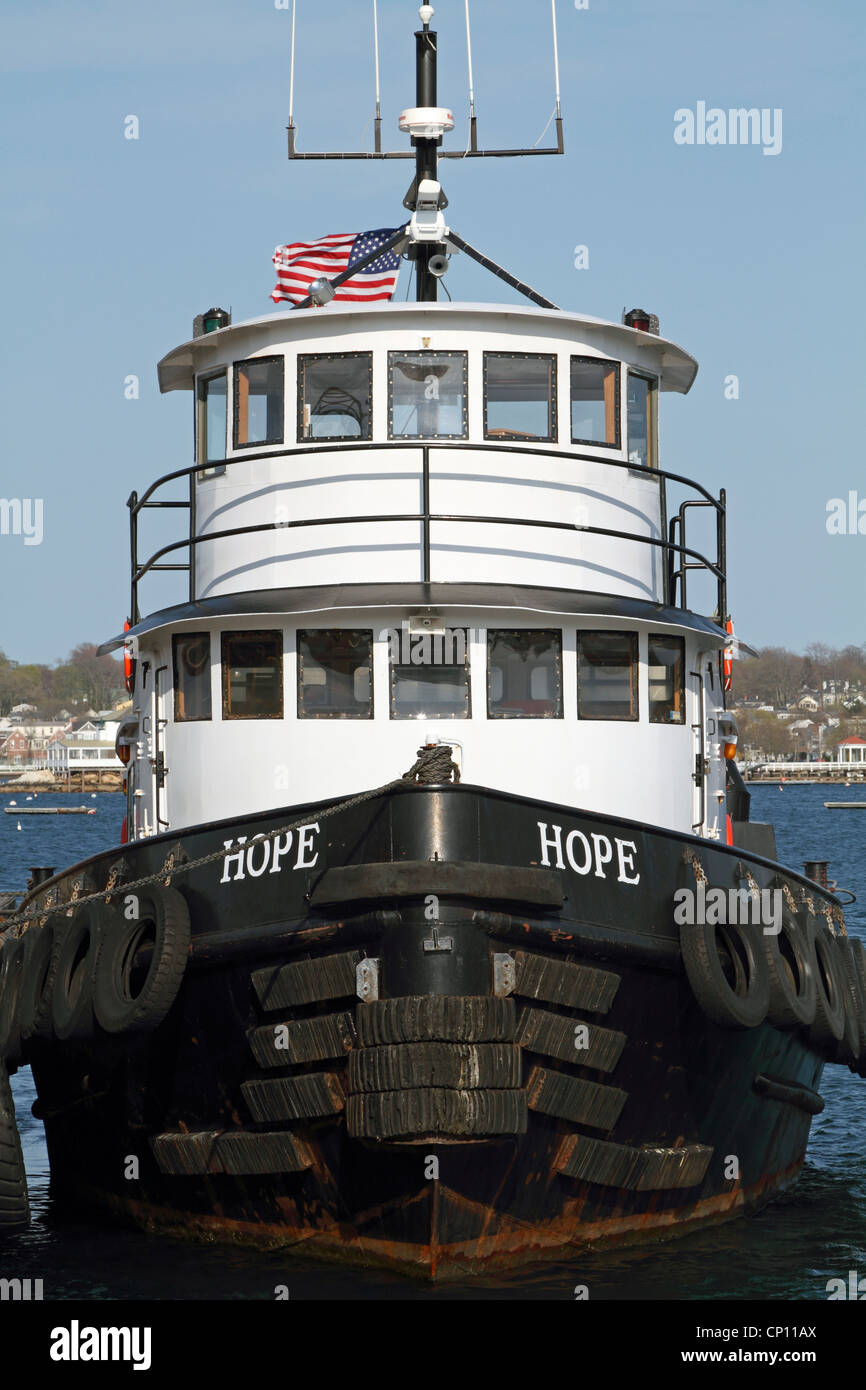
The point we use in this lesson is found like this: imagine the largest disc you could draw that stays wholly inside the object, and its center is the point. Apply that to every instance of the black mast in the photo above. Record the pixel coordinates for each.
(426, 155)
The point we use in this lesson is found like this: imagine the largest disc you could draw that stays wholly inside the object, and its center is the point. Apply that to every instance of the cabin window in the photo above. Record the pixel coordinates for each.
(335, 394)
(607, 675)
(519, 396)
(666, 661)
(335, 674)
(641, 421)
(427, 395)
(524, 674)
(252, 675)
(212, 421)
(191, 660)
(430, 674)
(259, 402)
(595, 402)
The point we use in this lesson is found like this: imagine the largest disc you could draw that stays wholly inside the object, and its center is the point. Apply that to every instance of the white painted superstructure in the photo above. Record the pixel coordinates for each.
(373, 576)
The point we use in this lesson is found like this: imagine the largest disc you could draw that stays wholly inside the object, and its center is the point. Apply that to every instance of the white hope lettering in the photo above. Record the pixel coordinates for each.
(254, 858)
(584, 857)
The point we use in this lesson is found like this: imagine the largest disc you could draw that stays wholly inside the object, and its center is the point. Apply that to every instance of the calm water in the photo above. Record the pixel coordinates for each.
(788, 1251)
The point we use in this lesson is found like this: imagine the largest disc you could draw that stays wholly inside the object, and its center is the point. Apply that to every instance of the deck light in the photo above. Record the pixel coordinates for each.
(639, 319)
(214, 319)
(321, 291)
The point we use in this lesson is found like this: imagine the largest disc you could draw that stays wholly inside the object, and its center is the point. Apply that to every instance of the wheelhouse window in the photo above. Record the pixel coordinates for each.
(429, 674)
(607, 675)
(212, 421)
(258, 402)
(666, 661)
(335, 674)
(335, 393)
(524, 674)
(252, 665)
(595, 402)
(427, 395)
(641, 420)
(519, 396)
(191, 664)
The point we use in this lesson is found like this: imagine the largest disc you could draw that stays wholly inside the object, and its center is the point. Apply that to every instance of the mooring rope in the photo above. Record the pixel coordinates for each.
(433, 764)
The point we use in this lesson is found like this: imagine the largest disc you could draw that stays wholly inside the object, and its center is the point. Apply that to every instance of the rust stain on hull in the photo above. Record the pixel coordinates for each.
(514, 1245)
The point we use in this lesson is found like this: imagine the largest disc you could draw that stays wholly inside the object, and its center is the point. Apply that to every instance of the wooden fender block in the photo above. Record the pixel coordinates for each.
(446, 1017)
(560, 982)
(294, 1097)
(650, 1168)
(569, 1098)
(308, 1040)
(461, 1066)
(557, 1036)
(306, 981)
(241, 1152)
(436, 1113)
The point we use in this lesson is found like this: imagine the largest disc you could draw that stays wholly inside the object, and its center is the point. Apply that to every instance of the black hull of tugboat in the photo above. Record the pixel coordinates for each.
(527, 1071)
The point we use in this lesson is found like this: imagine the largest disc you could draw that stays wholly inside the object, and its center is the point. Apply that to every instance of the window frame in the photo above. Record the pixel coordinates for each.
(492, 633)
(249, 634)
(553, 436)
(304, 357)
(259, 362)
(325, 714)
(651, 424)
(634, 682)
(673, 637)
(209, 470)
(467, 668)
(428, 352)
(617, 400)
(177, 637)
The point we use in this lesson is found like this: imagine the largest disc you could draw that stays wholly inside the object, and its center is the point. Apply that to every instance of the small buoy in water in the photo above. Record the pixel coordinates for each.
(18, 826)
(13, 803)
(93, 796)
(30, 798)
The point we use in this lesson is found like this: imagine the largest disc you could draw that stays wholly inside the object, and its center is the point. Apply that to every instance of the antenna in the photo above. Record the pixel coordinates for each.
(427, 238)
(378, 121)
(473, 152)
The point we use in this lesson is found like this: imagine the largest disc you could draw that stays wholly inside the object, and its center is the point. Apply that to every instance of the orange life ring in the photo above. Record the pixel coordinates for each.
(728, 657)
(128, 663)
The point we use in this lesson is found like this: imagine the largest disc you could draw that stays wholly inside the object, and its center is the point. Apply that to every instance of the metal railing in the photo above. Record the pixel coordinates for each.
(679, 558)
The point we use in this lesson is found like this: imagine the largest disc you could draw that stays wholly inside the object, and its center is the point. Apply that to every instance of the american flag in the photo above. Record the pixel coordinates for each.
(301, 262)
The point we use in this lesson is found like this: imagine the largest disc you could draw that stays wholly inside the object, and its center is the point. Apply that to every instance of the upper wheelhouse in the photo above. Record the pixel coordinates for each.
(426, 443)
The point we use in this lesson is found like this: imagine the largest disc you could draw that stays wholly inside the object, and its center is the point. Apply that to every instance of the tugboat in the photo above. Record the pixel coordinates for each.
(439, 935)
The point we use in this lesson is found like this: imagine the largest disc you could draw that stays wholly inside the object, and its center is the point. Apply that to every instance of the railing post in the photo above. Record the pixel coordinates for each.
(192, 525)
(425, 498)
(132, 504)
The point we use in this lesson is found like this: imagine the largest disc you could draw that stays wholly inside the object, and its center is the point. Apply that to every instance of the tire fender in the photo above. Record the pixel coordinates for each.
(726, 965)
(829, 1022)
(134, 998)
(14, 1205)
(792, 978)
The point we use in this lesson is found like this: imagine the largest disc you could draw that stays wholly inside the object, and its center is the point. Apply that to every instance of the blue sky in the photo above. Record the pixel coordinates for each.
(754, 263)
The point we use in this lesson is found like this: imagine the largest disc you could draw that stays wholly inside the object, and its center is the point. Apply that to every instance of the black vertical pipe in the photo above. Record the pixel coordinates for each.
(132, 504)
(193, 522)
(426, 155)
(722, 558)
(425, 491)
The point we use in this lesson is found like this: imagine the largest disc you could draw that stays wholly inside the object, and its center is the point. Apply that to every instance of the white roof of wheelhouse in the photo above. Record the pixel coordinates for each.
(678, 368)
